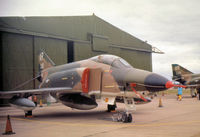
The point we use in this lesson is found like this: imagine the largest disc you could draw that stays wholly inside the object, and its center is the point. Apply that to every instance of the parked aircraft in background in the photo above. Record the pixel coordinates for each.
(79, 84)
(186, 78)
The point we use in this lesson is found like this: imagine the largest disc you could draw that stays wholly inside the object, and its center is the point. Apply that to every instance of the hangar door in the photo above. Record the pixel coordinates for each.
(17, 60)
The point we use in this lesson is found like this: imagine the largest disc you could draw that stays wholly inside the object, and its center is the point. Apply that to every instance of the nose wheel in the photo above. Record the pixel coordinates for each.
(126, 118)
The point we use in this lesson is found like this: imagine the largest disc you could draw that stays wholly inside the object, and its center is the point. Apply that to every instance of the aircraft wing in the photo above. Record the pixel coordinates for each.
(10, 94)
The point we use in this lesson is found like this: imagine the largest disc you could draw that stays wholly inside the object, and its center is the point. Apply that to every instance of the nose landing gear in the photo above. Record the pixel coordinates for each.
(126, 118)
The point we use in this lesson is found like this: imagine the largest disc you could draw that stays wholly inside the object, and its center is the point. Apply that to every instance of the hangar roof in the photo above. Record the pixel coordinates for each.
(75, 28)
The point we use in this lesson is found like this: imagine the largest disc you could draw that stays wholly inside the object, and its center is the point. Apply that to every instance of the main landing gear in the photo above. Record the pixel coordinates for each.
(28, 114)
(126, 117)
(129, 108)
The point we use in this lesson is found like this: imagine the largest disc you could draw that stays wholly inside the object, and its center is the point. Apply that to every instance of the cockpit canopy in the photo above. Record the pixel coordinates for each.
(111, 60)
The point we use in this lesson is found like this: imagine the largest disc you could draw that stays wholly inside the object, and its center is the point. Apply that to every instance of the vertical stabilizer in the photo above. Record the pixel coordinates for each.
(179, 73)
(179, 70)
(44, 63)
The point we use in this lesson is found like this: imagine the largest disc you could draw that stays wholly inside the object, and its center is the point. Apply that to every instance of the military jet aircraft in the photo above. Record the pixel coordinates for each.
(79, 84)
(187, 78)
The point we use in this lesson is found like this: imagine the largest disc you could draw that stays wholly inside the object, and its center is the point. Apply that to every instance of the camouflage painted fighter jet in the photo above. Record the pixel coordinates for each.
(187, 78)
(80, 84)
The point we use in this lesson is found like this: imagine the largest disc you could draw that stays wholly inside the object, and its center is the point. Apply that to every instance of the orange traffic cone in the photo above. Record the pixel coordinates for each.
(8, 130)
(41, 105)
(160, 103)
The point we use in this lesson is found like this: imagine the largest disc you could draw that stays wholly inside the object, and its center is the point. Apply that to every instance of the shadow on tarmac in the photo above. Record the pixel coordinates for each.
(69, 115)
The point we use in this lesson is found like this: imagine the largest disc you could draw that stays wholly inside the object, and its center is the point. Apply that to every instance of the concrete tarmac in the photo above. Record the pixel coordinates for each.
(175, 118)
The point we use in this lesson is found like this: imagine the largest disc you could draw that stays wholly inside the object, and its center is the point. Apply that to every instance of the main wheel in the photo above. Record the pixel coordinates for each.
(124, 117)
(130, 118)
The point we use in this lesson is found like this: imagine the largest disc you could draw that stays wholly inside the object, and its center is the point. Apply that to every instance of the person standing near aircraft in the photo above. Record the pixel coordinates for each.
(180, 92)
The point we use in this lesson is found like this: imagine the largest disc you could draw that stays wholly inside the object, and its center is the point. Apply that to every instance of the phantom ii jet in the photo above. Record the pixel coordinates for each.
(80, 84)
(187, 78)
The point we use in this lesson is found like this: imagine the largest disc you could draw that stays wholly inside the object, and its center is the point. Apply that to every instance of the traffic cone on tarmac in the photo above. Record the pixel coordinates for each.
(8, 130)
(160, 103)
(41, 103)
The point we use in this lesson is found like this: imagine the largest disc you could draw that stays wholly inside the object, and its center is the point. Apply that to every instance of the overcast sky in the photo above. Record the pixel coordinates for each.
(173, 26)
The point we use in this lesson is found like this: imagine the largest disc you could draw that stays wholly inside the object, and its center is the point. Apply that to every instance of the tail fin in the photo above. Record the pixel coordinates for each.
(44, 63)
(178, 72)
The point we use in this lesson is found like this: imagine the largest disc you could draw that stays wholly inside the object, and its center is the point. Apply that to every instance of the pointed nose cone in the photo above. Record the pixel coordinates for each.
(169, 84)
(155, 82)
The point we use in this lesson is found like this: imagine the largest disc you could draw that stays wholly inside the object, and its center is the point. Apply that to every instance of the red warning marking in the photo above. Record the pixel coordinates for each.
(133, 84)
(132, 87)
(85, 80)
(169, 84)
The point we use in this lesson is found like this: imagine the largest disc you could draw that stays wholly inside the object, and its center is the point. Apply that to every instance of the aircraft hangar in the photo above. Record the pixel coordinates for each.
(65, 39)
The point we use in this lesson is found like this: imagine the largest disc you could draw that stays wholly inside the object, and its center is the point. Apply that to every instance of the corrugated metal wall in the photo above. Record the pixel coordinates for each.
(17, 58)
(82, 51)
(20, 57)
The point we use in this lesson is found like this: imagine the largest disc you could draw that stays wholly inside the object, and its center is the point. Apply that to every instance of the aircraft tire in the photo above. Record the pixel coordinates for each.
(130, 118)
(124, 118)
